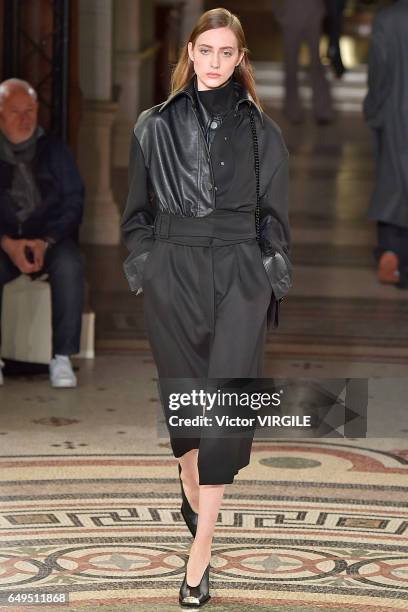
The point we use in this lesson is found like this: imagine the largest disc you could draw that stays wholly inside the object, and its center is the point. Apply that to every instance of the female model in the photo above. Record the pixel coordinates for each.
(206, 222)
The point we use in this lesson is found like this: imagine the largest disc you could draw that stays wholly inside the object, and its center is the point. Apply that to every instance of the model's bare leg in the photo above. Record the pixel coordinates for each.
(189, 477)
(200, 552)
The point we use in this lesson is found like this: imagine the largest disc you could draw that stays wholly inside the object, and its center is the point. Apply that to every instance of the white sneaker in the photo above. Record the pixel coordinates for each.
(1, 373)
(61, 372)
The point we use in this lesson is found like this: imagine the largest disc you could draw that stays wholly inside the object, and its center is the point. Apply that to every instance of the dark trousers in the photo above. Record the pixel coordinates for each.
(64, 266)
(296, 29)
(394, 238)
(335, 10)
(205, 311)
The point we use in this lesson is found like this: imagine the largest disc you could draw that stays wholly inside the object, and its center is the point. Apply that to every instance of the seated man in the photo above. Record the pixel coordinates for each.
(41, 205)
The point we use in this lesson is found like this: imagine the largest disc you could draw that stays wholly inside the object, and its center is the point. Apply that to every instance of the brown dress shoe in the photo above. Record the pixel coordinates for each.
(388, 268)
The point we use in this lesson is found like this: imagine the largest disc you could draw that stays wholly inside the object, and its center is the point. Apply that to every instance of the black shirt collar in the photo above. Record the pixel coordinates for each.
(218, 101)
(188, 90)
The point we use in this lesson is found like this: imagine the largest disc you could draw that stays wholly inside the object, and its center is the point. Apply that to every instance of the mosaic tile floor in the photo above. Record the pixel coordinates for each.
(108, 530)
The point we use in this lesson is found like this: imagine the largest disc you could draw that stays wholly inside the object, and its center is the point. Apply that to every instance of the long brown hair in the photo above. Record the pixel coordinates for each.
(216, 18)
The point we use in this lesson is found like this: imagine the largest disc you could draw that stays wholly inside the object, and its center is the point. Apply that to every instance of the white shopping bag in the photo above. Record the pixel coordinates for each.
(26, 331)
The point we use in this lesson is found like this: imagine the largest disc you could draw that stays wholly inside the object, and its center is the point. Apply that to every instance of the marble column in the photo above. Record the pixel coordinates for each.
(126, 65)
(101, 218)
(191, 12)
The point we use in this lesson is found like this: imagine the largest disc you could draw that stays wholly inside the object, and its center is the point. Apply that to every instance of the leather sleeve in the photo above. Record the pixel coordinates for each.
(274, 226)
(138, 217)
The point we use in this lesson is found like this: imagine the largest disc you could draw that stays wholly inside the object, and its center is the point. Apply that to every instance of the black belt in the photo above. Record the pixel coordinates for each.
(215, 228)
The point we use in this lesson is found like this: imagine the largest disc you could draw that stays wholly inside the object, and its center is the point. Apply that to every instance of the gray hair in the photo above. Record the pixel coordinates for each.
(10, 85)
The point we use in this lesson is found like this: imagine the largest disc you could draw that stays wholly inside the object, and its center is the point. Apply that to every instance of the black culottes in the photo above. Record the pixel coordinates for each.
(205, 304)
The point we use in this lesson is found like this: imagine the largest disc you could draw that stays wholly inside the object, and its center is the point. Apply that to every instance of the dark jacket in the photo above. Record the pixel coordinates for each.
(62, 195)
(386, 111)
(170, 171)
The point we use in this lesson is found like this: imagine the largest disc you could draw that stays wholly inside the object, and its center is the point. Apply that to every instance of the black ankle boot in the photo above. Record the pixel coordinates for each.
(196, 596)
(188, 514)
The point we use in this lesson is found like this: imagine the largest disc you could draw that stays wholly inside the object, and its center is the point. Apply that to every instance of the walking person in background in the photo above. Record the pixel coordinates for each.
(303, 21)
(386, 112)
(335, 10)
(206, 221)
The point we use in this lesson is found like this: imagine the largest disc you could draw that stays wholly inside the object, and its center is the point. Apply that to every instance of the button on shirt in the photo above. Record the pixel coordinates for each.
(230, 142)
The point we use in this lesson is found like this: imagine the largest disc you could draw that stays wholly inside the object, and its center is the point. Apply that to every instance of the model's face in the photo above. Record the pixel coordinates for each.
(18, 115)
(215, 55)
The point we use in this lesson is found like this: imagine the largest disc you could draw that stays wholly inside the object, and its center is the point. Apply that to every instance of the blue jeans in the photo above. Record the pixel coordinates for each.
(65, 268)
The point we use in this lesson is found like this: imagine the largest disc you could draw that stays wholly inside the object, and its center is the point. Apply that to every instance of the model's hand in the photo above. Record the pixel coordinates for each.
(16, 250)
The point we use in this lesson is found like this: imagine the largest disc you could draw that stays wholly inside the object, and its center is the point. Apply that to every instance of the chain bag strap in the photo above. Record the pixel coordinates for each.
(256, 158)
(273, 310)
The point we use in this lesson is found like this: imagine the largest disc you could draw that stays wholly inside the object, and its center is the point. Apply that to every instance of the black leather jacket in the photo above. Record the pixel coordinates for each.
(170, 171)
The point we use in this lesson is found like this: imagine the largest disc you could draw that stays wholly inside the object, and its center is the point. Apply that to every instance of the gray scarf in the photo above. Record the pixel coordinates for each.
(24, 190)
